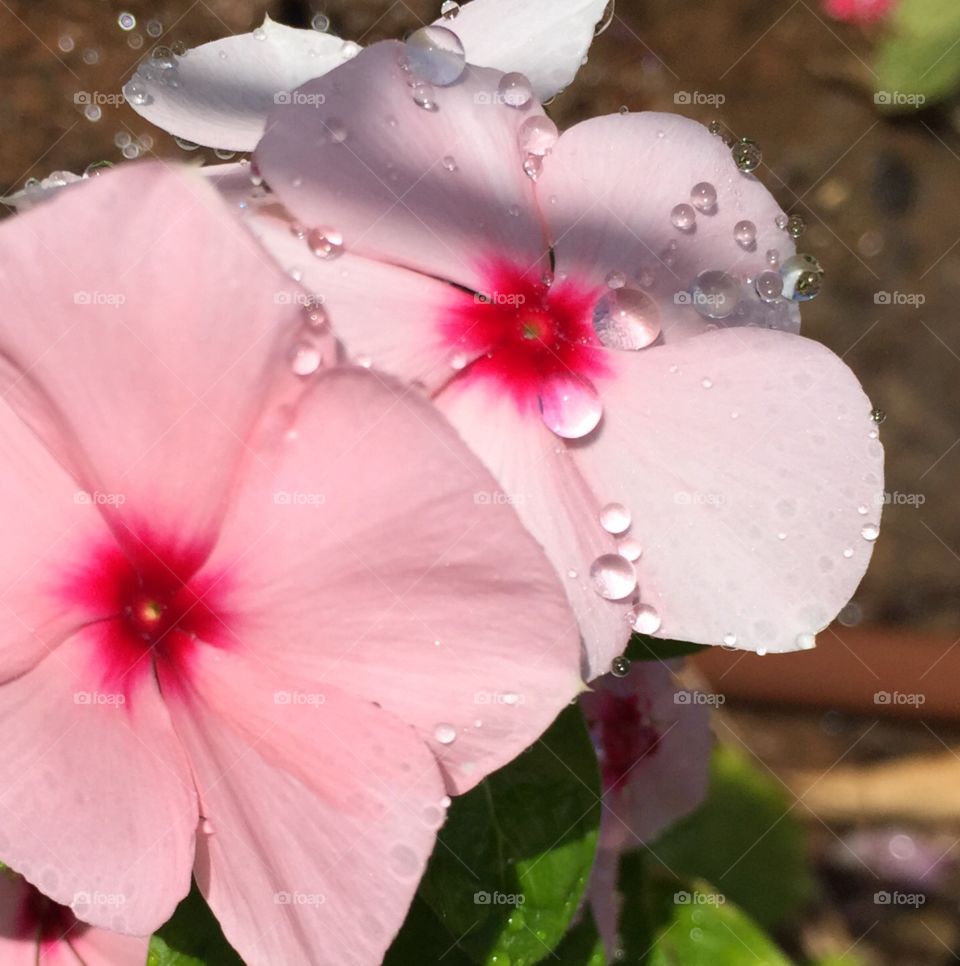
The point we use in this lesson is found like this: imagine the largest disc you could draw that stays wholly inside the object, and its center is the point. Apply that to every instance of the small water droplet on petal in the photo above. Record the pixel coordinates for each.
(646, 620)
(704, 197)
(445, 734)
(615, 518)
(514, 90)
(537, 135)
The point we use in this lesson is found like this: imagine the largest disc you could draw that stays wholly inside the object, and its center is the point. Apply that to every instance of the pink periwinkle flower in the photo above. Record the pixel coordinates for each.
(250, 607)
(603, 315)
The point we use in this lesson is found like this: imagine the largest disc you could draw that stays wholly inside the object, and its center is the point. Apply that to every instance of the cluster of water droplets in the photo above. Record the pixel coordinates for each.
(160, 69)
(306, 355)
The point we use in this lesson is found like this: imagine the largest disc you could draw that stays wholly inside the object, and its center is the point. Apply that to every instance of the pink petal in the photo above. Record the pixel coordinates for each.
(545, 486)
(226, 88)
(321, 812)
(391, 316)
(97, 807)
(369, 164)
(100, 947)
(547, 40)
(102, 359)
(607, 192)
(750, 465)
(374, 552)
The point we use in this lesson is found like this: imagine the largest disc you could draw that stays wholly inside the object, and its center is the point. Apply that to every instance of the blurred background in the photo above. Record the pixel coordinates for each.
(855, 105)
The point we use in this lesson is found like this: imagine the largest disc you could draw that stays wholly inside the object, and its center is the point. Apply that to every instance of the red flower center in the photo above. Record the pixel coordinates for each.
(524, 330)
(627, 736)
(147, 605)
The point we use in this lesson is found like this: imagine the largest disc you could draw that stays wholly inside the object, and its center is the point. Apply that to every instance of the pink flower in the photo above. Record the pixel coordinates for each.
(248, 605)
(221, 92)
(653, 743)
(858, 11)
(577, 308)
(37, 932)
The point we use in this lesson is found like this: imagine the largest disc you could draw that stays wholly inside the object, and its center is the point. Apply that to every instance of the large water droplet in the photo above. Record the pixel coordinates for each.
(436, 55)
(646, 620)
(769, 286)
(870, 532)
(747, 155)
(704, 197)
(626, 318)
(683, 218)
(537, 135)
(135, 91)
(305, 358)
(802, 277)
(745, 233)
(446, 734)
(715, 294)
(615, 518)
(422, 94)
(569, 405)
(325, 243)
(514, 90)
(613, 576)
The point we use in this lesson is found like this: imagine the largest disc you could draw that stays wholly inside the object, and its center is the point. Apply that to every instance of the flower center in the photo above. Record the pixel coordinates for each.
(146, 606)
(627, 736)
(523, 333)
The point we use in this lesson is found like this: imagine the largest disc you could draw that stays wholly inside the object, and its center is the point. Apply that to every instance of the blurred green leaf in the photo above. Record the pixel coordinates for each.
(745, 840)
(644, 648)
(191, 937)
(921, 55)
(581, 946)
(512, 861)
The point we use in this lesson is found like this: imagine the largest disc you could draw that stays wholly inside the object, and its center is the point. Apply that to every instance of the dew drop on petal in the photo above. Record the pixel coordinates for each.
(806, 642)
(802, 277)
(773, 257)
(615, 518)
(616, 280)
(533, 166)
(629, 549)
(626, 318)
(305, 359)
(449, 9)
(683, 218)
(514, 90)
(436, 55)
(646, 620)
(730, 640)
(620, 667)
(537, 135)
(449, 162)
(878, 415)
(769, 286)
(745, 233)
(569, 405)
(716, 294)
(405, 863)
(422, 94)
(870, 532)
(325, 243)
(848, 552)
(747, 155)
(795, 226)
(445, 734)
(704, 197)
(613, 576)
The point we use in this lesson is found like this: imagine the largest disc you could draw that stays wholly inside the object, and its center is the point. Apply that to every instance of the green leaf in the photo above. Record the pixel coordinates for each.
(921, 55)
(745, 840)
(581, 946)
(191, 937)
(512, 861)
(667, 921)
(424, 939)
(644, 648)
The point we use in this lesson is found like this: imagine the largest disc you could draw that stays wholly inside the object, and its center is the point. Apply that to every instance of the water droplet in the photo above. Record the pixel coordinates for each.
(445, 733)
(569, 405)
(325, 243)
(349, 49)
(646, 620)
(878, 415)
(613, 576)
(620, 667)
(510, 698)
(626, 318)
(336, 130)
(186, 145)
(449, 9)
(96, 169)
(706, 383)
(863, 509)
(514, 90)
(459, 360)
(305, 359)
(537, 135)
(747, 155)
(769, 286)
(259, 34)
(745, 233)
(795, 226)
(715, 294)
(315, 316)
(206, 826)
(870, 532)
(532, 166)
(683, 218)
(615, 518)
(436, 55)
(629, 548)
(126, 21)
(773, 257)
(422, 94)
(320, 23)
(572, 574)
(704, 197)
(616, 280)
(802, 278)
(135, 91)
(730, 640)
(848, 553)
(806, 642)
(449, 162)
(781, 222)
(405, 862)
